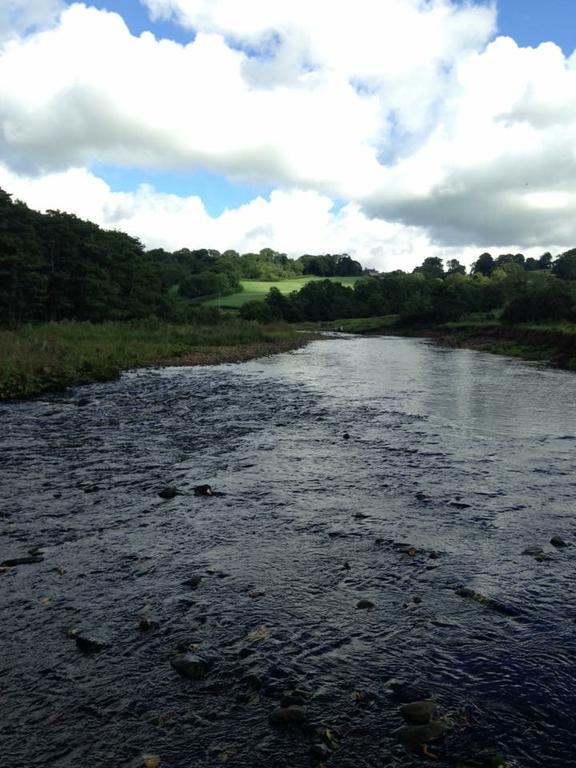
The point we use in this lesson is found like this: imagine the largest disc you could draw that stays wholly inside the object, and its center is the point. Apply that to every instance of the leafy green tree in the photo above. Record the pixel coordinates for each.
(260, 311)
(484, 265)
(565, 265)
(553, 302)
(454, 267)
(431, 267)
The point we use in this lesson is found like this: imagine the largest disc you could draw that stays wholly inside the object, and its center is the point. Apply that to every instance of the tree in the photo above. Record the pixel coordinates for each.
(484, 265)
(454, 267)
(565, 265)
(431, 267)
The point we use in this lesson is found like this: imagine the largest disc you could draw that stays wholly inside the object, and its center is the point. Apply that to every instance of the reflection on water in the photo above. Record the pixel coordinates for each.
(466, 456)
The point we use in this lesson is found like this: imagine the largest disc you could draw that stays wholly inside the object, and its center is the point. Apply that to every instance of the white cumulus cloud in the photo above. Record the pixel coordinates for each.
(409, 111)
(293, 222)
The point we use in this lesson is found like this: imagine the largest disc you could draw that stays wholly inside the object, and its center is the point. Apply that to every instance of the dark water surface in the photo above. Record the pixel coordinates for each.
(489, 440)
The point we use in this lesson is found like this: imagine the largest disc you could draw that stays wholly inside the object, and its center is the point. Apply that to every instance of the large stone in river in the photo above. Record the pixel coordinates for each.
(558, 541)
(190, 665)
(414, 736)
(419, 712)
(533, 551)
(287, 716)
(168, 493)
(365, 605)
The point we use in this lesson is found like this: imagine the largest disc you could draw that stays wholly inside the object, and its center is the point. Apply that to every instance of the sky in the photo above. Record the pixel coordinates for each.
(391, 130)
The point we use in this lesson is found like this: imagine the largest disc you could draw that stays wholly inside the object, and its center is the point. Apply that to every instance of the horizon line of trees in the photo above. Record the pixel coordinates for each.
(505, 286)
(56, 266)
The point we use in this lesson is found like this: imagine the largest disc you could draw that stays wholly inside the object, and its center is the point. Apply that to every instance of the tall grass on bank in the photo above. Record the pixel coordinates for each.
(52, 356)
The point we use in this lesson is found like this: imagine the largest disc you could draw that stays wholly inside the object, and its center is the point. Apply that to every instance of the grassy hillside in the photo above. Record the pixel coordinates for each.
(257, 289)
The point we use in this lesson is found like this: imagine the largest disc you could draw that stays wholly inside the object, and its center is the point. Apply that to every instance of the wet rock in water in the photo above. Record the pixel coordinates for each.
(320, 752)
(414, 736)
(203, 490)
(365, 605)
(419, 712)
(459, 504)
(168, 493)
(21, 561)
(147, 625)
(543, 558)
(533, 551)
(193, 581)
(558, 541)
(294, 698)
(285, 716)
(190, 665)
(87, 643)
(406, 549)
(488, 602)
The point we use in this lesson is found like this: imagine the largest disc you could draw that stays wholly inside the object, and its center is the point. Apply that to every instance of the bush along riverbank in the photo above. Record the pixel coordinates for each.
(554, 344)
(53, 356)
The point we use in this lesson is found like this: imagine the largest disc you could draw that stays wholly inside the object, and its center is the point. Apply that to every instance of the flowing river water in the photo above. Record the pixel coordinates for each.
(382, 469)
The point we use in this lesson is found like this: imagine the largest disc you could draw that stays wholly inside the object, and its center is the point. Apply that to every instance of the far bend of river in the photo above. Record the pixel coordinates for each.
(464, 456)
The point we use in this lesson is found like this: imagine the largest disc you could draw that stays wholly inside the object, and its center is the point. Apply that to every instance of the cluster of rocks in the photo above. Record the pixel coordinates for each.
(423, 725)
(170, 491)
(35, 555)
(538, 553)
(487, 602)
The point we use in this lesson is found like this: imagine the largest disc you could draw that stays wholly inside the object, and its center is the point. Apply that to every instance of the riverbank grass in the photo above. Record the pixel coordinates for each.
(52, 356)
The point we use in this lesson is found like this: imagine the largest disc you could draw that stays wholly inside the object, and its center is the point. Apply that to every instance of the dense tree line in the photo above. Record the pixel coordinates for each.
(55, 266)
(510, 286)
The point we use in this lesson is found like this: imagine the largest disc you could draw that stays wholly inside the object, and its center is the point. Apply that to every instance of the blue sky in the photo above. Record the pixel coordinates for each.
(389, 129)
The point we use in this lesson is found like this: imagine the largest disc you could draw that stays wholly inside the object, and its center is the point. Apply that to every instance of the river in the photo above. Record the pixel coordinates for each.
(383, 469)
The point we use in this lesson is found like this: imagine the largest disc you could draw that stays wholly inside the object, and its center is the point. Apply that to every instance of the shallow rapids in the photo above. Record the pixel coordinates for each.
(382, 469)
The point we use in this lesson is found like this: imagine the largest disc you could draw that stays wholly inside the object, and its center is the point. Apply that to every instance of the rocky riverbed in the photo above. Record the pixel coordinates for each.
(380, 535)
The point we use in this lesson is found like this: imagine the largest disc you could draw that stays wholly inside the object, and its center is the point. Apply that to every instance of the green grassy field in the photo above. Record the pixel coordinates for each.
(257, 289)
